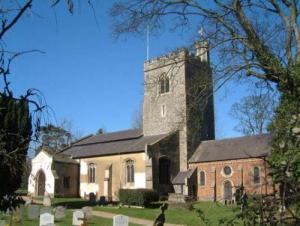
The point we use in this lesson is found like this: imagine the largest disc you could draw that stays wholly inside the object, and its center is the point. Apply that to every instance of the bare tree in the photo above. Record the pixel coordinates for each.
(254, 113)
(16, 110)
(256, 38)
(137, 117)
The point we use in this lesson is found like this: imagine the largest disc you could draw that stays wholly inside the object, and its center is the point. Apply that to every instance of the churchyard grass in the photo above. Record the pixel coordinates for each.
(179, 214)
(67, 221)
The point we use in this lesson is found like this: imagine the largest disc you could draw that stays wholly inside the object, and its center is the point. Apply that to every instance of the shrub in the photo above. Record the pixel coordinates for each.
(137, 197)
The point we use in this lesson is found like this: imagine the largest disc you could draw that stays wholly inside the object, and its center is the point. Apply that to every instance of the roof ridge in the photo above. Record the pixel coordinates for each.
(237, 138)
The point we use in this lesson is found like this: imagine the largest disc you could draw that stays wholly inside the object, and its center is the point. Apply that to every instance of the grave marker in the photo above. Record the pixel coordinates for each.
(46, 219)
(33, 212)
(120, 220)
(59, 212)
(87, 210)
(78, 217)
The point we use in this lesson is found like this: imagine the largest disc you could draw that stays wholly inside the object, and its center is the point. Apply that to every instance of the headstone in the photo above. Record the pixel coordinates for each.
(46, 219)
(92, 197)
(2, 223)
(46, 200)
(120, 220)
(33, 212)
(102, 201)
(59, 212)
(87, 210)
(45, 210)
(78, 217)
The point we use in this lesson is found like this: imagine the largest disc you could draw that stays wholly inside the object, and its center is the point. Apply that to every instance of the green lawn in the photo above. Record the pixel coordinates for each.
(67, 221)
(212, 213)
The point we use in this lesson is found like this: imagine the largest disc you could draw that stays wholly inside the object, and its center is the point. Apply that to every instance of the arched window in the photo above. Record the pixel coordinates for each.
(164, 84)
(92, 173)
(202, 178)
(129, 171)
(256, 175)
(164, 170)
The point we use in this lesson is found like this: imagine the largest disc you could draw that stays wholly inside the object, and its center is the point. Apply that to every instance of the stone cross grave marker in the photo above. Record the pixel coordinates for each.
(33, 212)
(59, 212)
(45, 210)
(46, 219)
(120, 220)
(87, 210)
(78, 217)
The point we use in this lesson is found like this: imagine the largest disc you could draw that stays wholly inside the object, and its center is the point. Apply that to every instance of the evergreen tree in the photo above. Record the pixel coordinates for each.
(15, 134)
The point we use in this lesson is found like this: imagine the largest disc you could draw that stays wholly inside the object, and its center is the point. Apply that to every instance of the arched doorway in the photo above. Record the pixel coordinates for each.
(227, 190)
(40, 183)
(164, 171)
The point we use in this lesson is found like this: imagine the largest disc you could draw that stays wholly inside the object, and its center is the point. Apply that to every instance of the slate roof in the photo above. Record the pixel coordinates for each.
(128, 141)
(233, 148)
(182, 175)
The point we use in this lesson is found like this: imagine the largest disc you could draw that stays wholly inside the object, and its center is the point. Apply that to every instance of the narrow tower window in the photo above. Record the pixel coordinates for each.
(163, 110)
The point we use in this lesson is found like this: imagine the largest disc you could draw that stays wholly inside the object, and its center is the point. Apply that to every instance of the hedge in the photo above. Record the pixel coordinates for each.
(137, 197)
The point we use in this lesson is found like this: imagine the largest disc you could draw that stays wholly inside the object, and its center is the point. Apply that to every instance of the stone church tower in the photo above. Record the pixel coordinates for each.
(178, 97)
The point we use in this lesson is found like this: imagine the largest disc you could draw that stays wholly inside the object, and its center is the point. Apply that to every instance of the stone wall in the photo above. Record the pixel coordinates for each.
(242, 173)
(182, 69)
(117, 174)
(168, 147)
(66, 171)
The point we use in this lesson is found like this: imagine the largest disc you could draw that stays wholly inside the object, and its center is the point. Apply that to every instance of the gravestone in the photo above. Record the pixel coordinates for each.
(78, 217)
(102, 201)
(46, 219)
(2, 223)
(59, 212)
(45, 210)
(87, 210)
(92, 197)
(33, 212)
(120, 220)
(46, 200)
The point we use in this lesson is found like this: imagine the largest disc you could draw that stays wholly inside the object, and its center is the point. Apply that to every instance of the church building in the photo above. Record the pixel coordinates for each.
(173, 153)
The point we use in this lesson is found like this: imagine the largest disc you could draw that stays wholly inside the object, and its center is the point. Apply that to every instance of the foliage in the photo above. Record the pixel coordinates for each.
(17, 114)
(137, 197)
(254, 38)
(54, 137)
(15, 135)
(284, 161)
(100, 131)
(254, 113)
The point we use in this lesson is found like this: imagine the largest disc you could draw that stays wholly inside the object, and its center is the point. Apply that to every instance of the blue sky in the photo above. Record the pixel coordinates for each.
(88, 77)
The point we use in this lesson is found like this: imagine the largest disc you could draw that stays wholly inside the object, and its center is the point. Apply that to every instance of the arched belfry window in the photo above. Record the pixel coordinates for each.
(92, 173)
(129, 171)
(164, 85)
(256, 175)
(202, 178)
